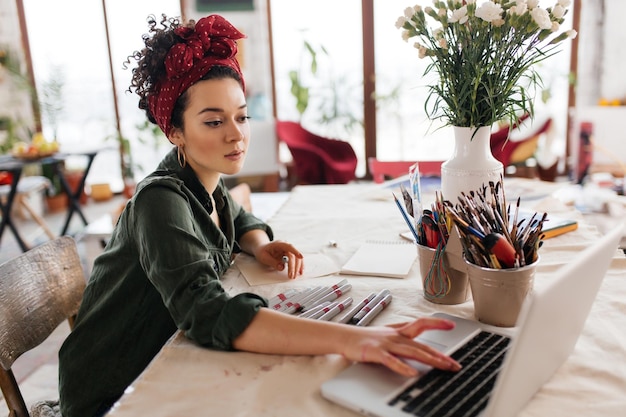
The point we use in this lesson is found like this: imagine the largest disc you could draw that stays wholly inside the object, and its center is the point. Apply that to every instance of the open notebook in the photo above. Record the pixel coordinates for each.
(494, 384)
(393, 259)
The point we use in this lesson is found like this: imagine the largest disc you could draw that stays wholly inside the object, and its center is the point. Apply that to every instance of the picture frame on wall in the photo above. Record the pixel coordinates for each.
(224, 5)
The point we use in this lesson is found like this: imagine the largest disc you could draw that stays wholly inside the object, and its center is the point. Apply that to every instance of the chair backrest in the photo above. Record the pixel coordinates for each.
(38, 291)
(385, 170)
(317, 160)
(519, 149)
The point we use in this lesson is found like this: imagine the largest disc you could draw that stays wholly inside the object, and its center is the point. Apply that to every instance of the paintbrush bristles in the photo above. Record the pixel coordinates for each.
(477, 214)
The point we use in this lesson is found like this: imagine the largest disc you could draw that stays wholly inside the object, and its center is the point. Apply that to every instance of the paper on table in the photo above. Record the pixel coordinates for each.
(392, 259)
(315, 265)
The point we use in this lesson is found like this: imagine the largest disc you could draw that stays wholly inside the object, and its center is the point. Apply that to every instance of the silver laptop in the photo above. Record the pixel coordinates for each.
(548, 327)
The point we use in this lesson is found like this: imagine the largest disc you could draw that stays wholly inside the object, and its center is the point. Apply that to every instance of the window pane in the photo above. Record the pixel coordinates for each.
(335, 107)
(127, 23)
(404, 131)
(72, 54)
(75, 53)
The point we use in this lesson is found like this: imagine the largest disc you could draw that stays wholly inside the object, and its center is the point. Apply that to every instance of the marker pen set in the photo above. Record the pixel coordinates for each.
(371, 307)
(325, 303)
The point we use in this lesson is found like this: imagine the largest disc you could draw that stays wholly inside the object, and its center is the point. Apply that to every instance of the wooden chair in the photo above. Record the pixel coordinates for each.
(38, 290)
(386, 170)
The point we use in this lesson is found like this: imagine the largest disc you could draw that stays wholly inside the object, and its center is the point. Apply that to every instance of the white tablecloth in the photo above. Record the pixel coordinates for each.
(186, 380)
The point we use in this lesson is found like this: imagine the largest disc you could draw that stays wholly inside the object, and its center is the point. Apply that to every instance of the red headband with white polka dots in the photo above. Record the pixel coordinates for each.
(212, 42)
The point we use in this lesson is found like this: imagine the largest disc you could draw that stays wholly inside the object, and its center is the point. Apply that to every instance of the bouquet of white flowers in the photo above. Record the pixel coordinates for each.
(484, 55)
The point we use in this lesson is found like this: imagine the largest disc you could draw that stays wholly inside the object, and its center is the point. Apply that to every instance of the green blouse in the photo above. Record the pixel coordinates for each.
(160, 272)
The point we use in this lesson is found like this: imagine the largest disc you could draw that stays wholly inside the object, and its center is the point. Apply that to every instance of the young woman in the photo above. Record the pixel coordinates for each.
(176, 237)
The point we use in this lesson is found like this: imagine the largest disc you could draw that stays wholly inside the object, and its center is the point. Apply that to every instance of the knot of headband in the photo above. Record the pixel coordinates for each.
(211, 42)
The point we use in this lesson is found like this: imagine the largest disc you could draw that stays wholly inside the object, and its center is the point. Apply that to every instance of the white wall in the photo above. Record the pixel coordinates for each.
(256, 53)
(601, 58)
(263, 152)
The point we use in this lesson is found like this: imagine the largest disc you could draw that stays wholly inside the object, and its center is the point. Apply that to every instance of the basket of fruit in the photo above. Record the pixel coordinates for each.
(37, 149)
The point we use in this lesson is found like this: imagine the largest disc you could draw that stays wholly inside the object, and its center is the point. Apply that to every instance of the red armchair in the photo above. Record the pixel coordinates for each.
(517, 151)
(316, 159)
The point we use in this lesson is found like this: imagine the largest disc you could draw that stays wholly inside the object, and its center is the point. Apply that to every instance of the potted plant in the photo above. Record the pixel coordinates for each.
(484, 57)
(56, 199)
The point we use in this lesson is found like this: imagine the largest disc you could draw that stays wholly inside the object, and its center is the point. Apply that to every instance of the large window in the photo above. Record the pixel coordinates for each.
(72, 51)
(333, 31)
(403, 130)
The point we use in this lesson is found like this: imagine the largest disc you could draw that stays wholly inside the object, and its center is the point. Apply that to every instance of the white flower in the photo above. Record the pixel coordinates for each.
(493, 25)
(540, 16)
(571, 33)
(408, 12)
(489, 11)
(519, 9)
(558, 11)
(400, 22)
(459, 15)
(421, 48)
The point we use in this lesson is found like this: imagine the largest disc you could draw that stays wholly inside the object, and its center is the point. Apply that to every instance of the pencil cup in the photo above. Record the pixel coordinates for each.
(442, 284)
(499, 293)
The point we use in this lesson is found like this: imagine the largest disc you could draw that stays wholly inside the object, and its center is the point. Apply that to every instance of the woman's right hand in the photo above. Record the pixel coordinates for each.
(387, 345)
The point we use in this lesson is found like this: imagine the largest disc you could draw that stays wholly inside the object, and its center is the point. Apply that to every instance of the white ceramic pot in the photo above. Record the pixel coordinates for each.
(471, 165)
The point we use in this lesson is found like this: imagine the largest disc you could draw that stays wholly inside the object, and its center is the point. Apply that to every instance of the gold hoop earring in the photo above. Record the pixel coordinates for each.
(182, 158)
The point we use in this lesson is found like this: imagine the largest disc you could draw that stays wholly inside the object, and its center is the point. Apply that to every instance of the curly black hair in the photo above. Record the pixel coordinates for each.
(151, 65)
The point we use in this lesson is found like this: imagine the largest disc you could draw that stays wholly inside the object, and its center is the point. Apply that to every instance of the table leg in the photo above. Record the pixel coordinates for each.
(6, 210)
(74, 195)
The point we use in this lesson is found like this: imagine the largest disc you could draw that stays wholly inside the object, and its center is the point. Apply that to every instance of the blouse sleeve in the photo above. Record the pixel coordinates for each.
(177, 248)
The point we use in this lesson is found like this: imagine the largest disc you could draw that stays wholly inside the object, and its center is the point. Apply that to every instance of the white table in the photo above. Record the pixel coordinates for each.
(188, 380)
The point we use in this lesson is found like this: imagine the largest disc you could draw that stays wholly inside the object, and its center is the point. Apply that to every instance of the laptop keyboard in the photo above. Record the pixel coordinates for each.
(454, 394)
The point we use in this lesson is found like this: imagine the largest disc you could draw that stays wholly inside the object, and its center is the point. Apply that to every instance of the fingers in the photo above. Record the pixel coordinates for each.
(395, 350)
(428, 355)
(399, 366)
(290, 257)
(417, 327)
(294, 264)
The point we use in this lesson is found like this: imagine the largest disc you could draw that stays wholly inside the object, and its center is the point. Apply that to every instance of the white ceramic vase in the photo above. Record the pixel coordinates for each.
(472, 164)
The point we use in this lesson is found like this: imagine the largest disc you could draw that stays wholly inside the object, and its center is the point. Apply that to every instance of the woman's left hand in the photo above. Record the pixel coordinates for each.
(272, 253)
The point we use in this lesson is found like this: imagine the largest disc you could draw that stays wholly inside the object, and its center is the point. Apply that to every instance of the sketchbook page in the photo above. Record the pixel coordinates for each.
(392, 259)
(315, 265)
